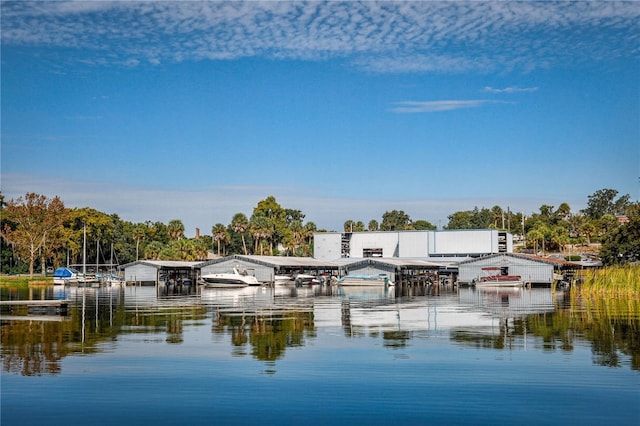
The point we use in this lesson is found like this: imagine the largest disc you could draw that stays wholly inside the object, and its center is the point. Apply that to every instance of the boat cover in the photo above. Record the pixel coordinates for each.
(63, 273)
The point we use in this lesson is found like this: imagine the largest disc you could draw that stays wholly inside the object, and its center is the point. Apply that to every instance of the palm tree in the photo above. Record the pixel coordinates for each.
(219, 232)
(153, 249)
(240, 224)
(138, 235)
(175, 229)
(260, 228)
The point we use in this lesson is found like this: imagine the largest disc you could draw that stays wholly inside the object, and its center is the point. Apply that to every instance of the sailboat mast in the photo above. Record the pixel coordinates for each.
(84, 252)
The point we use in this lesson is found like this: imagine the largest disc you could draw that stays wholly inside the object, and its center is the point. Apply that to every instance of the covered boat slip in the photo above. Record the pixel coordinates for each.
(154, 272)
(269, 268)
(402, 272)
(266, 268)
(532, 270)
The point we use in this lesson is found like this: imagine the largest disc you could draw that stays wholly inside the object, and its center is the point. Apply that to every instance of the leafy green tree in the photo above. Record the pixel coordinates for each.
(423, 225)
(395, 220)
(38, 223)
(622, 245)
(603, 201)
(276, 224)
(459, 220)
(373, 225)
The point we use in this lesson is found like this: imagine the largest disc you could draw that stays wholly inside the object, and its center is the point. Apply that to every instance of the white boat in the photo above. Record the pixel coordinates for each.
(229, 279)
(65, 276)
(379, 280)
(304, 279)
(497, 279)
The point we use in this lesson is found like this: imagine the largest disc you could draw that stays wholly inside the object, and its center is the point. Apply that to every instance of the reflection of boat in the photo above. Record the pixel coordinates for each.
(65, 276)
(88, 280)
(282, 279)
(365, 280)
(113, 280)
(230, 279)
(497, 280)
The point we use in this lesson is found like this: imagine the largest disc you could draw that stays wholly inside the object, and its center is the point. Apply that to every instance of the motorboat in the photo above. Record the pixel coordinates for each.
(379, 280)
(65, 276)
(497, 280)
(236, 278)
(304, 279)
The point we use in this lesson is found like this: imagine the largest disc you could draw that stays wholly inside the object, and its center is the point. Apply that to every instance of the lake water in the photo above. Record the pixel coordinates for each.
(320, 355)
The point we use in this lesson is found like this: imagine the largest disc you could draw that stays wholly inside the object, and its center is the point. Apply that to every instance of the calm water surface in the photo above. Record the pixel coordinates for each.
(320, 355)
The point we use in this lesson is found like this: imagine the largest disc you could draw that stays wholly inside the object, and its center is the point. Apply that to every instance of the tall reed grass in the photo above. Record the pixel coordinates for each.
(613, 281)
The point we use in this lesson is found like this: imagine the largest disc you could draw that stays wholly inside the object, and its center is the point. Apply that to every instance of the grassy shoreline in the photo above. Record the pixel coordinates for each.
(18, 281)
(612, 281)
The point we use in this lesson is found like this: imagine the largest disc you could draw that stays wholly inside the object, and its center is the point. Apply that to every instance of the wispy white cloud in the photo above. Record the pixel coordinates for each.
(437, 106)
(403, 36)
(510, 89)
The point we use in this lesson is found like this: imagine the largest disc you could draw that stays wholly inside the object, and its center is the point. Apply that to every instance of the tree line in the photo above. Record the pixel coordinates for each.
(39, 233)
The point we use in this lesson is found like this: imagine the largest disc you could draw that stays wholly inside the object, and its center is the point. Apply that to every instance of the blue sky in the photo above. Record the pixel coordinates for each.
(344, 110)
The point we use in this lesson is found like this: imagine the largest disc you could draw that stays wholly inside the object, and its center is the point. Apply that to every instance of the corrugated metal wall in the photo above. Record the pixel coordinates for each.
(463, 242)
(372, 270)
(141, 273)
(326, 246)
(387, 241)
(412, 244)
(530, 270)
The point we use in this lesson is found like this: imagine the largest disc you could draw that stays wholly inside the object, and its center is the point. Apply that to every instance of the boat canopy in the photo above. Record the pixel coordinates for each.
(64, 273)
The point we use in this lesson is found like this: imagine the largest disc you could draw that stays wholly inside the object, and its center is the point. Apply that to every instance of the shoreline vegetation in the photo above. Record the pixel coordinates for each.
(610, 281)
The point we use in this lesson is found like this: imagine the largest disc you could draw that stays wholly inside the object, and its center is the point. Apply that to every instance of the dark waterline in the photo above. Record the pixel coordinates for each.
(321, 356)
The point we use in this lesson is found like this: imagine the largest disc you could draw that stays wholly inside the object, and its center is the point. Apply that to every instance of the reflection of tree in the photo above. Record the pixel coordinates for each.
(35, 347)
(612, 326)
(269, 335)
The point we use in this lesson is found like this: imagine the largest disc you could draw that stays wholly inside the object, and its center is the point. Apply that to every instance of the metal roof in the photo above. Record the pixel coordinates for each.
(162, 264)
(277, 261)
(549, 260)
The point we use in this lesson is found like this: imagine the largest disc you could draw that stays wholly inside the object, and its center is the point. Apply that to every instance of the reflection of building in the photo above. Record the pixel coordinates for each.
(431, 245)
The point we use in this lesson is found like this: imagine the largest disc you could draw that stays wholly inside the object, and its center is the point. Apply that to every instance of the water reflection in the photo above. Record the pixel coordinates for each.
(263, 322)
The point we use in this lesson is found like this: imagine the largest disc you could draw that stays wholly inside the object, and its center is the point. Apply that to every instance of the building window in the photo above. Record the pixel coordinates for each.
(372, 252)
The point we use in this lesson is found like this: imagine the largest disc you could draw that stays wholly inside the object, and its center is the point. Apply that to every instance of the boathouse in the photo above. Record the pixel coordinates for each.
(152, 272)
(534, 270)
(265, 268)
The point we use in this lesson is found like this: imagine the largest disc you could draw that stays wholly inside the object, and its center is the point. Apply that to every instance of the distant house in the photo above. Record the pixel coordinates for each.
(622, 219)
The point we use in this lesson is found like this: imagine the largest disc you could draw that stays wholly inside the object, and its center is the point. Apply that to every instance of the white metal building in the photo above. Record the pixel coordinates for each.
(157, 271)
(455, 244)
(532, 269)
(264, 268)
